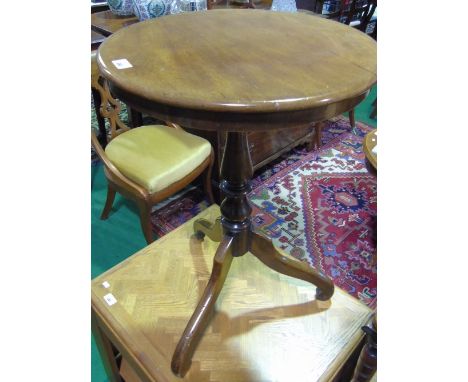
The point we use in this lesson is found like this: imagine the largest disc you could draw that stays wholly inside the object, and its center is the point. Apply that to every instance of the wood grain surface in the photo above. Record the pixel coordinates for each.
(241, 61)
(267, 326)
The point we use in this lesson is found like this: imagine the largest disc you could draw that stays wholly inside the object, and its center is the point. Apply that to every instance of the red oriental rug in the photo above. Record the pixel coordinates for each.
(318, 206)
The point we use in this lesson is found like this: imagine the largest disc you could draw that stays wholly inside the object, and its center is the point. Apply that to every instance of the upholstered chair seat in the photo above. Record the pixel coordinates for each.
(157, 156)
(149, 163)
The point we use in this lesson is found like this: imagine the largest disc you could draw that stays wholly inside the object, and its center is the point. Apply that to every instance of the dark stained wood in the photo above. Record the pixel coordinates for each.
(99, 6)
(182, 357)
(106, 22)
(348, 11)
(246, 70)
(373, 113)
(264, 146)
(263, 249)
(261, 86)
(96, 39)
(135, 119)
(352, 121)
(367, 363)
(318, 135)
(267, 146)
(236, 172)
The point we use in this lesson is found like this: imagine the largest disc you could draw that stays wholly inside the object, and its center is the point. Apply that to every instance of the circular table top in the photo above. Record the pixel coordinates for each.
(241, 61)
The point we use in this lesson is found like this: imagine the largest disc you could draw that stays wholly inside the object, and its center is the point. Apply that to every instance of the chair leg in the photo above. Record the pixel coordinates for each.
(317, 140)
(145, 221)
(100, 120)
(374, 109)
(207, 187)
(109, 201)
(352, 121)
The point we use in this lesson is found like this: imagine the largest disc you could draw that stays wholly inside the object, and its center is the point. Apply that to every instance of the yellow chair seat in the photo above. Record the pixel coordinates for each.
(156, 156)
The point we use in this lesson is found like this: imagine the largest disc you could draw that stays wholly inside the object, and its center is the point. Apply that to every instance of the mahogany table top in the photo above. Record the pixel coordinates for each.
(241, 62)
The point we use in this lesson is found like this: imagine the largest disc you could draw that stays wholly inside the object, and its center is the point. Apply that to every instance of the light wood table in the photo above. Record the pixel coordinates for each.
(267, 327)
(238, 71)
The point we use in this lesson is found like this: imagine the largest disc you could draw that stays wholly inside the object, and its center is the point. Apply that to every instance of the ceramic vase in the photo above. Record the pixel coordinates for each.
(180, 6)
(284, 6)
(121, 7)
(148, 9)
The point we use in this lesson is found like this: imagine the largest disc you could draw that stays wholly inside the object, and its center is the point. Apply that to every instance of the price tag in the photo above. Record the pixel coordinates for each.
(123, 63)
(110, 299)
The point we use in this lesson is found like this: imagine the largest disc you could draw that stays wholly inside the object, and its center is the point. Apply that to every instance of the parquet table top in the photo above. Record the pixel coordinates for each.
(267, 326)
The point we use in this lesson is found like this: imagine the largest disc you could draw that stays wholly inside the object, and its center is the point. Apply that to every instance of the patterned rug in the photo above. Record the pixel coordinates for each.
(318, 206)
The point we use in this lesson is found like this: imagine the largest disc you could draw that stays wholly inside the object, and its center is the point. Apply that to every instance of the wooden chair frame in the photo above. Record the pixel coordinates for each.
(118, 182)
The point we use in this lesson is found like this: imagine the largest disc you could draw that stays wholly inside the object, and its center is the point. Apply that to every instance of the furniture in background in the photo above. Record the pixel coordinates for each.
(106, 23)
(357, 13)
(267, 327)
(370, 151)
(366, 367)
(264, 146)
(150, 163)
(268, 89)
(99, 6)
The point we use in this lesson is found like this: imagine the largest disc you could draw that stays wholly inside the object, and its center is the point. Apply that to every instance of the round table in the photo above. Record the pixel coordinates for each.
(239, 71)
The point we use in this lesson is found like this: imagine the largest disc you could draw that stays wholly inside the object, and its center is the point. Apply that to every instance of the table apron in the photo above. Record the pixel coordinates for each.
(231, 121)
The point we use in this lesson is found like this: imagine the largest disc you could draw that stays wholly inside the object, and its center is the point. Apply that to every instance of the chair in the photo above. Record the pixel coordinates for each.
(356, 13)
(149, 163)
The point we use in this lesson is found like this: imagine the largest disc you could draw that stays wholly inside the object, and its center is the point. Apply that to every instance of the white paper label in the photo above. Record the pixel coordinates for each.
(105, 284)
(122, 64)
(110, 299)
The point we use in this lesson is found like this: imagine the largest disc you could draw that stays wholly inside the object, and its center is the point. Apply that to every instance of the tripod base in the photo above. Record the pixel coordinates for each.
(259, 246)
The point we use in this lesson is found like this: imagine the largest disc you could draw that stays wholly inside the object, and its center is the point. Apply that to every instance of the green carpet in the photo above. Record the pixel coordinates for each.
(120, 236)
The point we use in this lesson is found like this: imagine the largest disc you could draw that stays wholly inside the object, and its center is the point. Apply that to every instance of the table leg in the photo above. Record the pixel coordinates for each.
(105, 350)
(263, 249)
(318, 134)
(203, 227)
(352, 120)
(135, 119)
(182, 357)
(238, 238)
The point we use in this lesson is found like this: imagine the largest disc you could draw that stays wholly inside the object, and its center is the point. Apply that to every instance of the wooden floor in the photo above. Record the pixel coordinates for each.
(268, 327)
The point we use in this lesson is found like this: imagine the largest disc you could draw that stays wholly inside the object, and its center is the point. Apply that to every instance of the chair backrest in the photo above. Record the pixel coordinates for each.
(109, 107)
(350, 11)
